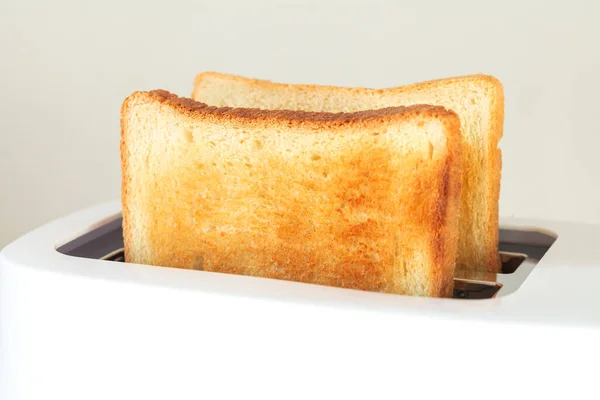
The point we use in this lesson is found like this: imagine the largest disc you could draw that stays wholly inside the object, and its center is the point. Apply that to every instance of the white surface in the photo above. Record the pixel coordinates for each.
(73, 328)
(66, 66)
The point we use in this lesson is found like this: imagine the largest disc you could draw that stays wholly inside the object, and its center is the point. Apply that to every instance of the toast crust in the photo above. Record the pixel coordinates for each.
(191, 107)
(269, 84)
(470, 258)
(433, 220)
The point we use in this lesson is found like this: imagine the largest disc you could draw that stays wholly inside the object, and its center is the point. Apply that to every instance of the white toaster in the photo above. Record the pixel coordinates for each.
(76, 322)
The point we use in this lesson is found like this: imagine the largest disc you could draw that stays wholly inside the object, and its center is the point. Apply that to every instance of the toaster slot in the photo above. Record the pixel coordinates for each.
(520, 252)
(96, 243)
(533, 243)
(117, 255)
(511, 261)
(466, 289)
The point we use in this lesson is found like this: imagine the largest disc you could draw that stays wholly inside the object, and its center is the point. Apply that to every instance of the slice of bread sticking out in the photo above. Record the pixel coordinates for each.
(478, 100)
(365, 200)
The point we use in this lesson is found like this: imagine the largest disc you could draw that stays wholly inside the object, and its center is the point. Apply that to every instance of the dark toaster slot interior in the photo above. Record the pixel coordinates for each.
(475, 290)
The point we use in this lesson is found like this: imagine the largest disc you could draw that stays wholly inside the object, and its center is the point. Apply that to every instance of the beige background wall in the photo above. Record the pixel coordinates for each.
(66, 66)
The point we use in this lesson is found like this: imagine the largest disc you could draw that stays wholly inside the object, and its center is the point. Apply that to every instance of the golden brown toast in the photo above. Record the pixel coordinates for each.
(366, 200)
(477, 99)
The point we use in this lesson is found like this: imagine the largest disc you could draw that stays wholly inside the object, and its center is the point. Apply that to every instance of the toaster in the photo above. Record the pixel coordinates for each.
(79, 322)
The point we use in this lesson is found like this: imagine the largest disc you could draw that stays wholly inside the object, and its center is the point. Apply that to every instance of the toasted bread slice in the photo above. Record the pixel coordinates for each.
(365, 200)
(477, 99)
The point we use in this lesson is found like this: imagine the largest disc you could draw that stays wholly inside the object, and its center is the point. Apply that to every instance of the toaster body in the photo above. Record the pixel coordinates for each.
(77, 322)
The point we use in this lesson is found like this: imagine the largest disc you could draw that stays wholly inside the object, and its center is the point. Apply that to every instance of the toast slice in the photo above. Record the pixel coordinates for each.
(365, 200)
(478, 100)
